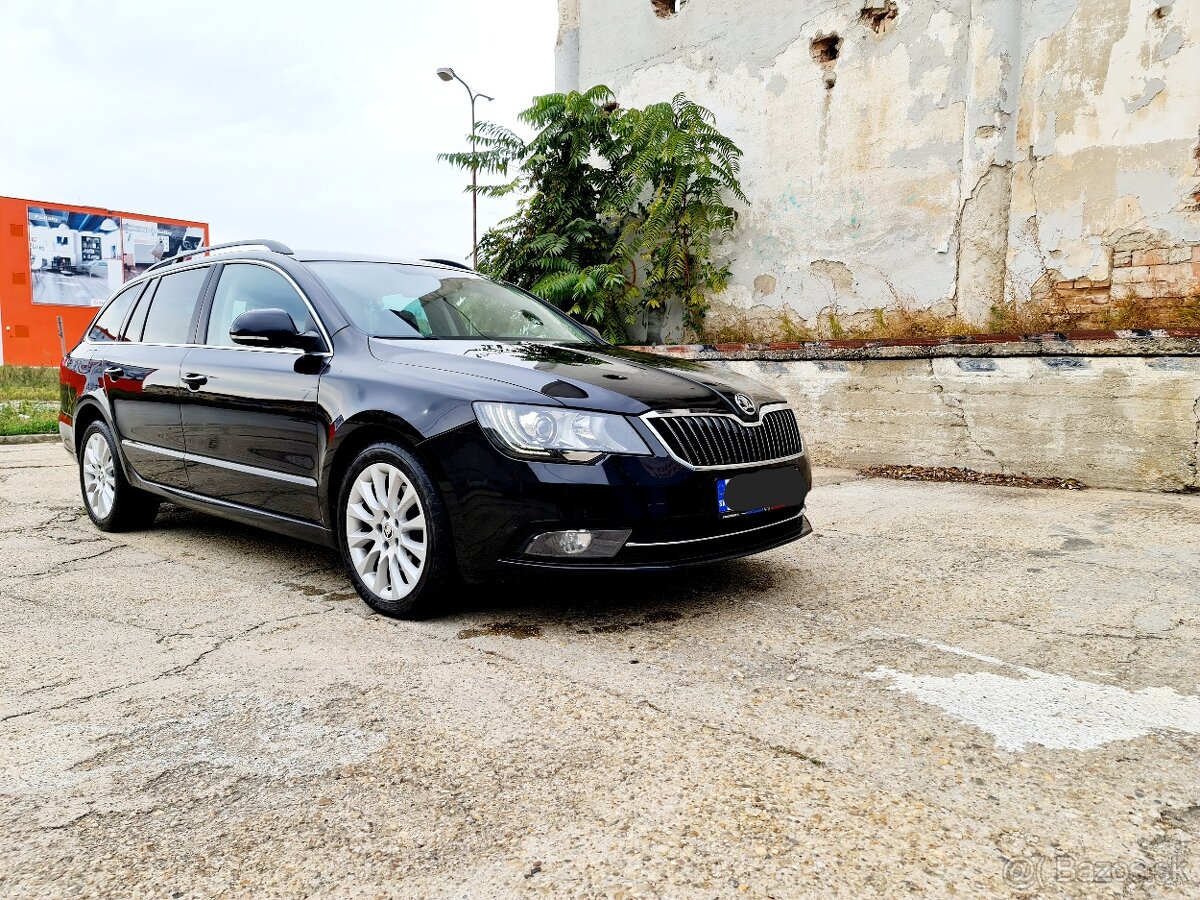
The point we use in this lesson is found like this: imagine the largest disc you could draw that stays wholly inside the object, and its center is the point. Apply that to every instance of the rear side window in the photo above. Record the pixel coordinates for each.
(170, 318)
(244, 287)
(108, 324)
(137, 321)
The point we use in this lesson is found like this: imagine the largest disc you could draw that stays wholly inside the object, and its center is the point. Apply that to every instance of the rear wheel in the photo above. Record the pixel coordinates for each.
(395, 539)
(112, 503)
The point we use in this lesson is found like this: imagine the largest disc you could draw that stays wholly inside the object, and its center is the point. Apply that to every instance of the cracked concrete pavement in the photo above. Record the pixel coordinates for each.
(946, 688)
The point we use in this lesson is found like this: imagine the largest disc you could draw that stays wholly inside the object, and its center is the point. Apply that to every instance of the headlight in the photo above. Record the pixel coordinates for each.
(548, 432)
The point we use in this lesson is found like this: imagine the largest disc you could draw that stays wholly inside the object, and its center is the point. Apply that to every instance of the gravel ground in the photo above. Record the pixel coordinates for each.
(947, 688)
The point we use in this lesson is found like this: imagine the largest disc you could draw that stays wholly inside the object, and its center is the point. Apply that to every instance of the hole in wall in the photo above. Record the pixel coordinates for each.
(664, 9)
(825, 50)
(879, 18)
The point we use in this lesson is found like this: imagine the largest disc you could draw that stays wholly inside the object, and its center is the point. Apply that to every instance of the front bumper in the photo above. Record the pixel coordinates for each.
(497, 504)
(661, 557)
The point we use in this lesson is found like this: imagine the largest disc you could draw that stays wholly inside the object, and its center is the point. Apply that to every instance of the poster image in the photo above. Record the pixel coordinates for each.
(145, 243)
(74, 257)
(81, 258)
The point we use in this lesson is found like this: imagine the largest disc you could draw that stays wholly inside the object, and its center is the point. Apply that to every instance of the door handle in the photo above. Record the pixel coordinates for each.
(195, 381)
(114, 372)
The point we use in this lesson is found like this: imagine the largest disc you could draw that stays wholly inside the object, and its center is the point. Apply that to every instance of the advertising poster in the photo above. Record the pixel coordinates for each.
(80, 258)
(145, 243)
(74, 257)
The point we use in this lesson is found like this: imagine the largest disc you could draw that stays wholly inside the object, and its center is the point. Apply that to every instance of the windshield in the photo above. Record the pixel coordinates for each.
(400, 301)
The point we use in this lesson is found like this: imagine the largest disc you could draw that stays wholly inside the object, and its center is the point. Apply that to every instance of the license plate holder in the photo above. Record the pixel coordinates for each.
(751, 493)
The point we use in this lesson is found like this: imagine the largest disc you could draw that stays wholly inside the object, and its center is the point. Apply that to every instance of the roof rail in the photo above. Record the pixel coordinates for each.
(449, 262)
(265, 243)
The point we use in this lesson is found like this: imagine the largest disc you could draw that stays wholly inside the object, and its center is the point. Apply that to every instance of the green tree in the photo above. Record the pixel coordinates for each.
(618, 209)
(678, 170)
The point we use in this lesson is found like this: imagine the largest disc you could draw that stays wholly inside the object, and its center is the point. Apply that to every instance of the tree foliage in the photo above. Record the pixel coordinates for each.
(618, 209)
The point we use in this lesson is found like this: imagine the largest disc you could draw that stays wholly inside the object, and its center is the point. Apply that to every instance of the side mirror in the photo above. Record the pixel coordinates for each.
(272, 328)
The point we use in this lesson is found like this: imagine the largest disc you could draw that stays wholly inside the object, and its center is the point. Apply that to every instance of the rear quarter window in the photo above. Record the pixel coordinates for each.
(107, 326)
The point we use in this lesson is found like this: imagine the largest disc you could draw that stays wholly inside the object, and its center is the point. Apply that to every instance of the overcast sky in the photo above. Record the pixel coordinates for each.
(315, 123)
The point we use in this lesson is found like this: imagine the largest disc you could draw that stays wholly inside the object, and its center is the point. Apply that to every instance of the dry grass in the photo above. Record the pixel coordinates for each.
(729, 325)
(968, 476)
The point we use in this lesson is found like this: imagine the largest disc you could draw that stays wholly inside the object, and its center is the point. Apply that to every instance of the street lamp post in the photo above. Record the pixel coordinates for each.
(448, 74)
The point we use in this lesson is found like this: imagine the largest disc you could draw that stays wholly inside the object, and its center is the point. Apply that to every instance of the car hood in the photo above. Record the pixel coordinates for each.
(591, 376)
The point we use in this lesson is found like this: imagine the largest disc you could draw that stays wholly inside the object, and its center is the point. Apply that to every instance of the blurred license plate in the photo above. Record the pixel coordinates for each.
(755, 492)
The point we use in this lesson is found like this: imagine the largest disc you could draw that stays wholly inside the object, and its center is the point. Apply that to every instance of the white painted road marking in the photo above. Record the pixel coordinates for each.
(1055, 711)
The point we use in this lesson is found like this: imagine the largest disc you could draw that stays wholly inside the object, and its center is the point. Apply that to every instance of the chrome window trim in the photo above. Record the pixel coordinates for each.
(103, 308)
(222, 464)
(717, 537)
(146, 276)
(678, 413)
(267, 265)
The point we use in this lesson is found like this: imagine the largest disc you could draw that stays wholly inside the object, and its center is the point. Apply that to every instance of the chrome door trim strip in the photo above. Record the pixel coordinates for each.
(717, 537)
(222, 464)
(213, 501)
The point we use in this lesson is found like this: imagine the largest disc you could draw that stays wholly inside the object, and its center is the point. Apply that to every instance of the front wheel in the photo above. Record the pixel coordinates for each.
(112, 503)
(395, 537)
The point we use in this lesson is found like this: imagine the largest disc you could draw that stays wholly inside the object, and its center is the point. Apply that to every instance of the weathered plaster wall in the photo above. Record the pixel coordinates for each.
(1122, 414)
(953, 154)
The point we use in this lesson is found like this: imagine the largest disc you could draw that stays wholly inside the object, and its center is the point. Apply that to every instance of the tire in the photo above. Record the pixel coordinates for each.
(112, 503)
(400, 568)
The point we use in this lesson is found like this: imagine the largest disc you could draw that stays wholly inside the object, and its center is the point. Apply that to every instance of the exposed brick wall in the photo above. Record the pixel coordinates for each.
(1161, 274)
(1141, 269)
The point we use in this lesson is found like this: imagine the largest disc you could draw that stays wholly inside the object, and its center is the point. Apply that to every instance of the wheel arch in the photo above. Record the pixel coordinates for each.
(87, 412)
(358, 433)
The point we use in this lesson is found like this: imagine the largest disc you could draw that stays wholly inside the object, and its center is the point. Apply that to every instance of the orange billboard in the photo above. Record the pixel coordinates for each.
(59, 261)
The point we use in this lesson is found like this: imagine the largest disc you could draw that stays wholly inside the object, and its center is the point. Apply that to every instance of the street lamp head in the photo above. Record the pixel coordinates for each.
(446, 74)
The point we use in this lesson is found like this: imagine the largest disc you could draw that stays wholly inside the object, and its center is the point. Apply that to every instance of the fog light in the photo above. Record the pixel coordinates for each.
(580, 544)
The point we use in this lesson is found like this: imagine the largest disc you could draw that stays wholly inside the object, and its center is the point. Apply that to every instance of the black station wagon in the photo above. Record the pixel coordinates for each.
(430, 423)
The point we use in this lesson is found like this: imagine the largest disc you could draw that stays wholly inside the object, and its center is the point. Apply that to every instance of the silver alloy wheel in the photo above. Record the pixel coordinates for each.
(99, 476)
(385, 531)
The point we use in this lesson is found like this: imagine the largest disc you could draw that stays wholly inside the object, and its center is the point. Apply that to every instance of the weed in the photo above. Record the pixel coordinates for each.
(28, 417)
(28, 383)
(761, 326)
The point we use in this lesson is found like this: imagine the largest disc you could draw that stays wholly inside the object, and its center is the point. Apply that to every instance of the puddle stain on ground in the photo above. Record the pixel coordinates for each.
(517, 630)
(312, 590)
(651, 618)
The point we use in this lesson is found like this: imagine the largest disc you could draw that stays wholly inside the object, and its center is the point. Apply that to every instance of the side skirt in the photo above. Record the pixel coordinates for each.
(297, 528)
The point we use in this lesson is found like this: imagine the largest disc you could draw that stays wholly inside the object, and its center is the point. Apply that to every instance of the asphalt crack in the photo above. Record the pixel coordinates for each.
(172, 672)
(644, 702)
(59, 567)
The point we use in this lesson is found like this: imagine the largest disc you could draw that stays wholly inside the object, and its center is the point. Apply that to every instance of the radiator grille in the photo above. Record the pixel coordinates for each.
(707, 441)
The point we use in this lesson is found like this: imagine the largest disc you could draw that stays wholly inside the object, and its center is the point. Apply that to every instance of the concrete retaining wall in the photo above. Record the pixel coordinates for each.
(1110, 413)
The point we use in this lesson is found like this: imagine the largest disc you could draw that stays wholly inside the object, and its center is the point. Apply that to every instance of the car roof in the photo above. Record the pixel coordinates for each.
(335, 256)
(262, 248)
(312, 256)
